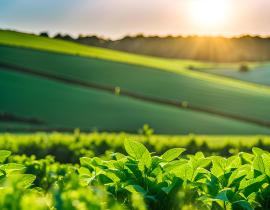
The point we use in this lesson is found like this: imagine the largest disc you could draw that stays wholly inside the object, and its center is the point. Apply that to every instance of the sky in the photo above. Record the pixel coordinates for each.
(117, 18)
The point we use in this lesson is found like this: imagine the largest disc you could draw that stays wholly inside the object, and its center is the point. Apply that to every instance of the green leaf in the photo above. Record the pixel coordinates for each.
(3, 155)
(27, 180)
(257, 151)
(222, 196)
(136, 188)
(243, 204)
(173, 165)
(252, 185)
(201, 163)
(119, 156)
(199, 155)
(23, 180)
(12, 168)
(85, 161)
(173, 187)
(145, 161)
(266, 162)
(184, 171)
(219, 165)
(233, 162)
(258, 164)
(84, 171)
(246, 157)
(238, 175)
(226, 195)
(172, 154)
(136, 149)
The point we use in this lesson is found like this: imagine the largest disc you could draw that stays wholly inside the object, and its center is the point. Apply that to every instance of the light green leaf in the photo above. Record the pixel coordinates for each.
(145, 161)
(119, 156)
(201, 163)
(239, 174)
(257, 151)
(258, 164)
(184, 171)
(85, 161)
(266, 162)
(3, 155)
(219, 165)
(172, 154)
(173, 165)
(233, 162)
(12, 168)
(136, 149)
(199, 155)
(23, 180)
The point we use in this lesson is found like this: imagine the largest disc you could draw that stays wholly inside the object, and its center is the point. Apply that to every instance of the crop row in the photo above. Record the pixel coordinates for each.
(68, 148)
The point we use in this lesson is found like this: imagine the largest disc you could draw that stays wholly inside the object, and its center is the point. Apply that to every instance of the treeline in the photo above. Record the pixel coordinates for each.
(206, 48)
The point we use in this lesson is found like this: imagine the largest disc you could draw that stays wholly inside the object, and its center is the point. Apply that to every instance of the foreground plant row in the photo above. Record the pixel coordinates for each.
(139, 180)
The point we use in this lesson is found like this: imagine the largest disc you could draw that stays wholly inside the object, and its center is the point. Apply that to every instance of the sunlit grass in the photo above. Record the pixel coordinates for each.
(176, 66)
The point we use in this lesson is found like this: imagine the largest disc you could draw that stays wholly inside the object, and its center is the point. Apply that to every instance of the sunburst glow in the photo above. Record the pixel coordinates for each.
(209, 12)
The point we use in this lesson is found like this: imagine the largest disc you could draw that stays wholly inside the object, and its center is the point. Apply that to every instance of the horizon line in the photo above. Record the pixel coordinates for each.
(145, 35)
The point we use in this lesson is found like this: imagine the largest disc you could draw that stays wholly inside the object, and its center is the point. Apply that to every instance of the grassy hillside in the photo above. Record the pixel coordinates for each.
(178, 66)
(144, 80)
(260, 74)
(67, 106)
(56, 104)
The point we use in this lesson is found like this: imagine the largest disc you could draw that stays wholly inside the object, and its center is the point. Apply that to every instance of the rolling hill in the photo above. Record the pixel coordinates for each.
(66, 106)
(259, 74)
(144, 80)
(151, 77)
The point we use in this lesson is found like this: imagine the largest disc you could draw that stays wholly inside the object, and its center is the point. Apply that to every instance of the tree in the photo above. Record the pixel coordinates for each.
(243, 68)
(44, 34)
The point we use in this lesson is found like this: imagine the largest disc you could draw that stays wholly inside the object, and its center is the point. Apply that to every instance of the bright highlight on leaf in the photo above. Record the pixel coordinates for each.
(172, 154)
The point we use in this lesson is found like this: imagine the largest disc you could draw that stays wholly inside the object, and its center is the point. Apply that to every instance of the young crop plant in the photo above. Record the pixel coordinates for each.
(14, 187)
(19, 191)
(174, 181)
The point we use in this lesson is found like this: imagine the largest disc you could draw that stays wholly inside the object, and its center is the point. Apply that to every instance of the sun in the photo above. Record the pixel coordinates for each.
(208, 13)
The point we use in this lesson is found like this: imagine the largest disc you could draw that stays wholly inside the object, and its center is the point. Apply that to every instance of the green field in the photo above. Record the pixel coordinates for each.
(259, 74)
(178, 66)
(145, 81)
(67, 106)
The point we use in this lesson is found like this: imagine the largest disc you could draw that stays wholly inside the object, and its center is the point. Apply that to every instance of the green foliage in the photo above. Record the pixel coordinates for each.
(212, 182)
(137, 179)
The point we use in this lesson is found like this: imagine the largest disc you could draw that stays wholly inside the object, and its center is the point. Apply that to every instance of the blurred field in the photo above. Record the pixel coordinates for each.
(63, 106)
(176, 66)
(143, 80)
(70, 147)
(259, 74)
